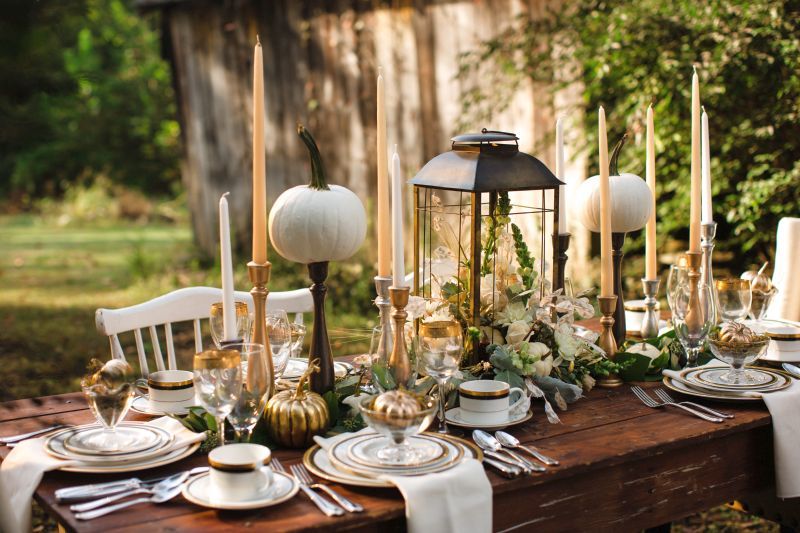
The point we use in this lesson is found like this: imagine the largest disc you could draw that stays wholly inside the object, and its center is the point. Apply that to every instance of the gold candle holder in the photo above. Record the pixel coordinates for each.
(695, 314)
(259, 277)
(399, 362)
(608, 305)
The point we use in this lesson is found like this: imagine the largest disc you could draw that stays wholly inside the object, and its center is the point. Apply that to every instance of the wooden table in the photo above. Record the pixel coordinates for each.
(623, 467)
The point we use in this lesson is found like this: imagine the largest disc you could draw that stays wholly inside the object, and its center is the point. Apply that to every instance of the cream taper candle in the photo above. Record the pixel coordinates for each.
(705, 171)
(606, 270)
(226, 266)
(694, 210)
(259, 164)
(383, 214)
(562, 189)
(651, 246)
(398, 260)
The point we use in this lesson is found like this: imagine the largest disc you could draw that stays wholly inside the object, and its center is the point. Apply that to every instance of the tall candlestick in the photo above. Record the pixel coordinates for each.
(694, 219)
(651, 246)
(226, 266)
(384, 234)
(398, 261)
(705, 168)
(606, 271)
(259, 164)
(562, 189)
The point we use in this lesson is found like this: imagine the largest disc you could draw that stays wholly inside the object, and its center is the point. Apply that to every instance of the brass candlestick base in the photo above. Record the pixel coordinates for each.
(384, 305)
(399, 363)
(259, 277)
(708, 232)
(608, 305)
(649, 327)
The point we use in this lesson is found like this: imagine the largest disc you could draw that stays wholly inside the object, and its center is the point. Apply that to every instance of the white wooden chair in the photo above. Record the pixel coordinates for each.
(183, 305)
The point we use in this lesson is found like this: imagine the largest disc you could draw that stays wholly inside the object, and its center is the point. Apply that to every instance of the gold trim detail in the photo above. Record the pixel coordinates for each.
(239, 468)
(169, 385)
(482, 395)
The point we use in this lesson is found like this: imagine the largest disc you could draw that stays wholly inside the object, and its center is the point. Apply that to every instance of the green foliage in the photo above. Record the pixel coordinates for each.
(85, 93)
(629, 54)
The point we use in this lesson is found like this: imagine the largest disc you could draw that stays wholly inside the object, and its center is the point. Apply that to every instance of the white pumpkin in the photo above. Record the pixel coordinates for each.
(646, 349)
(316, 223)
(631, 199)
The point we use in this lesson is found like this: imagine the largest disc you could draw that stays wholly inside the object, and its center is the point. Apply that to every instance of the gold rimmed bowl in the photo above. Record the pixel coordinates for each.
(737, 354)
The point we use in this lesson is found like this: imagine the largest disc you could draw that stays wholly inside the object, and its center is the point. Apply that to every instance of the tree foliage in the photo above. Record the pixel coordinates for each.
(84, 93)
(629, 54)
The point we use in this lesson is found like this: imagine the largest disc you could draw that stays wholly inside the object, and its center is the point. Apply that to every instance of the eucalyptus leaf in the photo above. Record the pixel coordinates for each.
(512, 378)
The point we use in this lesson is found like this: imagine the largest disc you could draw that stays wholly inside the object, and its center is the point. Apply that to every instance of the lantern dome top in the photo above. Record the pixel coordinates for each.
(486, 162)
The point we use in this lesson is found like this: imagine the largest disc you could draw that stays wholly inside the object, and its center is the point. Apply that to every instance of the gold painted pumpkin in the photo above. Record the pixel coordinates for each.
(295, 416)
(397, 403)
(735, 332)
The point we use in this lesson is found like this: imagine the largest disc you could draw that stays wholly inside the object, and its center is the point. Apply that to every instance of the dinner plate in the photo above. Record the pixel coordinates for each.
(710, 378)
(317, 461)
(144, 406)
(131, 438)
(296, 366)
(453, 416)
(341, 460)
(153, 462)
(55, 445)
(282, 488)
(677, 386)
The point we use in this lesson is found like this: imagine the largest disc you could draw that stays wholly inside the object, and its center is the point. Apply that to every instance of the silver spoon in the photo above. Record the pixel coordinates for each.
(794, 370)
(510, 441)
(159, 497)
(161, 486)
(96, 490)
(490, 444)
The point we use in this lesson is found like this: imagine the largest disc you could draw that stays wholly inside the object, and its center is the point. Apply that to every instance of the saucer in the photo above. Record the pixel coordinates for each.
(453, 416)
(282, 488)
(146, 407)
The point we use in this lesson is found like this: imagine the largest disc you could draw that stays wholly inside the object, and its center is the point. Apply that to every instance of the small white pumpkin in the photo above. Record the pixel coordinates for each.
(317, 222)
(631, 199)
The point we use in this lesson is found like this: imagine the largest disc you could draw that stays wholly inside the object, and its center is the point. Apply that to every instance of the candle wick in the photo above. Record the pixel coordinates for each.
(226, 194)
(258, 40)
(380, 70)
(694, 69)
(703, 108)
(395, 148)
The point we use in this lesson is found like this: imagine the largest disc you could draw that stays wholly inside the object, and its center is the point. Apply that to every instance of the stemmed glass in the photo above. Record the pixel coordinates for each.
(216, 323)
(109, 406)
(218, 383)
(253, 398)
(692, 333)
(734, 298)
(298, 336)
(378, 367)
(678, 275)
(440, 348)
(279, 334)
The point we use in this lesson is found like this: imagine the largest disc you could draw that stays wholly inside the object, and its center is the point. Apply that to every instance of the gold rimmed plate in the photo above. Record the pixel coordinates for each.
(712, 378)
(365, 452)
(134, 466)
(282, 488)
(55, 445)
(682, 388)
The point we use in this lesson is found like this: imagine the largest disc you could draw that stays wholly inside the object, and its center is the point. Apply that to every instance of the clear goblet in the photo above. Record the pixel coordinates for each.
(218, 383)
(216, 323)
(691, 331)
(678, 274)
(109, 406)
(279, 334)
(253, 398)
(440, 346)
(733, 297)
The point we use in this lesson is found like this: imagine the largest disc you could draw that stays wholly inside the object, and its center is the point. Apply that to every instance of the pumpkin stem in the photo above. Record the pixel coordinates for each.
(763, 267)
(318, 181)
(313, 366)
(613, 169)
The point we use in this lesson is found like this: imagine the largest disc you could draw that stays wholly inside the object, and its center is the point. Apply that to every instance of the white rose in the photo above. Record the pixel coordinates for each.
(538, 349)
(544, 366)
(517, 332)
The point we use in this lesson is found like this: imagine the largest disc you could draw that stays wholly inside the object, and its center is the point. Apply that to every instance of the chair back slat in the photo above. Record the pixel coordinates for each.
(170, 346)
(137, 333)
(198, 336)
(116, 348)
(156, 349)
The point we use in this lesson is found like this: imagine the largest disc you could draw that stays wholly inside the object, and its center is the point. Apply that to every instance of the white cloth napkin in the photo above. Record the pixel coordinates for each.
(22, 470)
(458, 499)
(784, 407)
(786, 276)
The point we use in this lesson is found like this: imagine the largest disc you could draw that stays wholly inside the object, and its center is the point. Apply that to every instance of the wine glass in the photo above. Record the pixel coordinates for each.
(253, 398)
(279, 334)
(692, 319)
(678, 274)
(440, 348)
(733, 298)
(378, 363)
(109, 406)
(218, 383)
(216, 323)
(759, 305)
(298, 331)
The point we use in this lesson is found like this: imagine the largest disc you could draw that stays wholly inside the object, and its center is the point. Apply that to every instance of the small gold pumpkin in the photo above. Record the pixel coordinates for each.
(295, 416)
(397, 404)
(736, 333)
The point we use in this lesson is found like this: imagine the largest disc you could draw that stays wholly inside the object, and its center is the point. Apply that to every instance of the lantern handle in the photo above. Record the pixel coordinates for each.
(485, 131)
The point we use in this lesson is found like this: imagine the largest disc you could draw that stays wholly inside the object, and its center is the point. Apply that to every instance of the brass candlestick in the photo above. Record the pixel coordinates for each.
(649, 327)
(608, 305)
(384, 304)
(399, 363)
(560, 243)
(695, 316)
(708, 232)
(259, 277)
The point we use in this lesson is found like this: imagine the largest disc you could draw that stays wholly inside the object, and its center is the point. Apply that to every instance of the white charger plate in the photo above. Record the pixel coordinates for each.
(453, 416)
(677, 386)
(153, 462)
(55, 446)
(282, 488)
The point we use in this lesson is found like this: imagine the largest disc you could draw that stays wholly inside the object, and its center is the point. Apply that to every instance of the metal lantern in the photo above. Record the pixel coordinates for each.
(456, 194)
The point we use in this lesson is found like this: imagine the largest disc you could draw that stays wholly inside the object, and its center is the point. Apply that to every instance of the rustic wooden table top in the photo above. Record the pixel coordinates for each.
(623, 466)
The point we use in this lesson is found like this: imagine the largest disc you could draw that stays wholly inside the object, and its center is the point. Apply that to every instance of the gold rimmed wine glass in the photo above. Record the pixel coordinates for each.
(218, 383)
(255, 385)
(279, 334)
(440, 347)
(217, 326)
(733, 297)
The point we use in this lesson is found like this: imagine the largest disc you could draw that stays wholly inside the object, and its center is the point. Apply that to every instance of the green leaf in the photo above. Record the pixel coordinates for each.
(633, 366)
(512, 378)
(211, 422)
(501, 358)
(332, 399)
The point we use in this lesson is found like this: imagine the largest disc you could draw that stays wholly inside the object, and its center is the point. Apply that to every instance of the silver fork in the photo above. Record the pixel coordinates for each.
(304, 477)
(324, 505)
(17, 438)
(649, 402)
(661, 393)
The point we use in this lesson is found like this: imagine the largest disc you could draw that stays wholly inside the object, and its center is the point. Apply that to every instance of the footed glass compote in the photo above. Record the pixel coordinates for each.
(398, 415)
(109, 406)
(739, 351)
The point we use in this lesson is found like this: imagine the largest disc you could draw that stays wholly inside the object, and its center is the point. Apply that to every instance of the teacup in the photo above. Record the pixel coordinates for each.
(239, 471)
(168, 387)
(488, 402)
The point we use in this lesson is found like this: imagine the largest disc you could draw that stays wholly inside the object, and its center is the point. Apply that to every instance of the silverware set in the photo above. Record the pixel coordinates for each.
(14, 439)
(700, 411)
(299, 473)
(499, 453)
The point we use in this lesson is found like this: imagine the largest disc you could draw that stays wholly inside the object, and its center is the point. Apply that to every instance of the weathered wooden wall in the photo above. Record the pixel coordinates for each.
(321, 61)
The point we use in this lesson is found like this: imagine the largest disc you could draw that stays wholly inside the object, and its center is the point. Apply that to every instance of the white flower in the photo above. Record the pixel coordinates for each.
(517, 332)
(492, 335)
(583, 308)
(513, 312)
(491, 296)
(415, 307)
(544, 366)
(538, 349)
(588, 382)
(567, 343)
